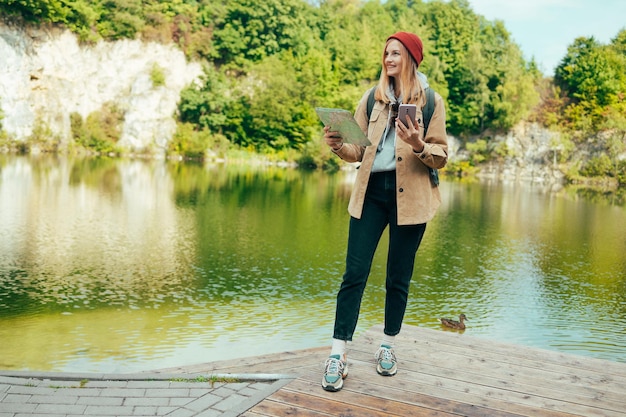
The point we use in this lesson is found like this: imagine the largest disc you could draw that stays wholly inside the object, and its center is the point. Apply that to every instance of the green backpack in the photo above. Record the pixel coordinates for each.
(428, 111)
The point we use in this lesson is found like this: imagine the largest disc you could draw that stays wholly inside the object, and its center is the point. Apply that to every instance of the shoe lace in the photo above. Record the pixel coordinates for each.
(385, 354)
(333, 366)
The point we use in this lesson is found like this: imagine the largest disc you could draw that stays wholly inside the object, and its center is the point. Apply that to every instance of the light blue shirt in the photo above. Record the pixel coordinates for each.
(385, 159)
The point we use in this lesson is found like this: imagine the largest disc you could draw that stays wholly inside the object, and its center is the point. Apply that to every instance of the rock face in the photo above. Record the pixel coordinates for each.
(46, 75)
(532, 156)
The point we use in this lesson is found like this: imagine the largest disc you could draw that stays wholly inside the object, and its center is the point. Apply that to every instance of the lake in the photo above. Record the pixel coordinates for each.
(117, 265)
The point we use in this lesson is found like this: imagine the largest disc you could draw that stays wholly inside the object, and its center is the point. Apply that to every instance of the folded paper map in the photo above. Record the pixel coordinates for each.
(343, 122)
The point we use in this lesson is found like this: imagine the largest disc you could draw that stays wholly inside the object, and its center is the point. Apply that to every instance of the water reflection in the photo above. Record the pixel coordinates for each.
(89, 234)
(520, 260)
(122, 265)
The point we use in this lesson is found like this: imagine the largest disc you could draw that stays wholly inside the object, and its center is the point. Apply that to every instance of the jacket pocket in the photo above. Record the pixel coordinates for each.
(375, 115)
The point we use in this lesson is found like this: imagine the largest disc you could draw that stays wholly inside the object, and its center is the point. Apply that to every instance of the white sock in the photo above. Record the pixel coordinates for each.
(339, 347)
(388, 340)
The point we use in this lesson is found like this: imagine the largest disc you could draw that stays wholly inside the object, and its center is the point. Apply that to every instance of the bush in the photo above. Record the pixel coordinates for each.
(100, 132)
(478, 151)
(598, 166)
(459, 169)
(157, 76)
(190, 143)
(316, 154)
(621, 172)
(41, 139)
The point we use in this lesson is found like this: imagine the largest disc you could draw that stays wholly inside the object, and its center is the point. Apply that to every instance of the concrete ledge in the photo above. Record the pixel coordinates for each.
(147, 376)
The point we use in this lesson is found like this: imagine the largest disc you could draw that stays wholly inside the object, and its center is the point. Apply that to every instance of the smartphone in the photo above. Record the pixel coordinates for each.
(410, 109)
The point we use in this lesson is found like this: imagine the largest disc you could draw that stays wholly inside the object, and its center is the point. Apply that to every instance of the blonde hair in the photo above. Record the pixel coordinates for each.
(407, 84)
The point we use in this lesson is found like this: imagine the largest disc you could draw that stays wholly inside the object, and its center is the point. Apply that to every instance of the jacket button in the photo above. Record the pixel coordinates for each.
(401, 190)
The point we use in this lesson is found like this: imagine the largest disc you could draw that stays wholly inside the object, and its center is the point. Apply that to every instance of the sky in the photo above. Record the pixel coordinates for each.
(545, 28)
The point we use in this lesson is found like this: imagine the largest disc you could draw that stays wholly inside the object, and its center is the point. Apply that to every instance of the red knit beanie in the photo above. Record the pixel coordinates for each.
(412, 43)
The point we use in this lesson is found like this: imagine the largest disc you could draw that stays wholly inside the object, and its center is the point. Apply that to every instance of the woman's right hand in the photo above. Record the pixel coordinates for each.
(333, 139)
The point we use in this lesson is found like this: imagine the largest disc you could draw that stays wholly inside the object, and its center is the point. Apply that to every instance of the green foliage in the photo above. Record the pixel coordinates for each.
(488, 83)
(157, 76)
(621, 173)
(278, 114)
(100, 132)
(120, 19)
(592, 77)
(36, 10)
(459, 169)
(581, 76)
(598, 166)
(41, 139)
(78, 15)
(479, 151)
(190, 143)
(251, 31)
(208, 104)
(314, 156)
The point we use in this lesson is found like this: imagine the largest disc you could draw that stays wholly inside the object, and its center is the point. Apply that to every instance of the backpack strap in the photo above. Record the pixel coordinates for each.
(428, 110)
(370, 102)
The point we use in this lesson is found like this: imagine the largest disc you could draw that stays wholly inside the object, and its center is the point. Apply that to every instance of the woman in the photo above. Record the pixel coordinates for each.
(392, 188)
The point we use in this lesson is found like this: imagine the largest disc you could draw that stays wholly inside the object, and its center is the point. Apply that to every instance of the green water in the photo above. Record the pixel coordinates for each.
(127, 265)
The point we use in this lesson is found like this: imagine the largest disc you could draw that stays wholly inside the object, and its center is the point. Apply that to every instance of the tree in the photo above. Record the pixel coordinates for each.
(279, 116)
(454, 29)
(511, 84)
(585, 73)
(251, 31)
(591, 76)
(207, 103)
(79, 15)
(121, 19)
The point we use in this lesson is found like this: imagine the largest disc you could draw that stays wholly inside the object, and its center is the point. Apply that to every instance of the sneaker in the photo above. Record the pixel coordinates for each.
(335, 371)
(387, 364)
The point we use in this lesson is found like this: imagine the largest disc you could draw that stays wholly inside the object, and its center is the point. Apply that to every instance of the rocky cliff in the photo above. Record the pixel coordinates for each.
(46, 75)
(532, 155)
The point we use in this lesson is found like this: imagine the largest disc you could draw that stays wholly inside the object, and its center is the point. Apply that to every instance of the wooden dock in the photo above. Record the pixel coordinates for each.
(441, 373)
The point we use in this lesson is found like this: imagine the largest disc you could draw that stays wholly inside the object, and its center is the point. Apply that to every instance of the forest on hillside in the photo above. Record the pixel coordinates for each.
(269, 64)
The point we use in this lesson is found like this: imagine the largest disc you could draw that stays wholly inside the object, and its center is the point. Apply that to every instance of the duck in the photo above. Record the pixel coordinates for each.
(453, 323)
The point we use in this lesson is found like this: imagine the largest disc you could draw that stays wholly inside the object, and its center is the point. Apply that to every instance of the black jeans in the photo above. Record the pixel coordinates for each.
(379, 210)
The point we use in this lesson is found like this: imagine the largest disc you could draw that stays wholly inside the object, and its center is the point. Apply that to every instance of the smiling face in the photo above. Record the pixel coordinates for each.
(393, 60)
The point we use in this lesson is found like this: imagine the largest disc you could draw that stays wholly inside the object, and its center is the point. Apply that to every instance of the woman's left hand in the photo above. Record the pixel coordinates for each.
(410, 134)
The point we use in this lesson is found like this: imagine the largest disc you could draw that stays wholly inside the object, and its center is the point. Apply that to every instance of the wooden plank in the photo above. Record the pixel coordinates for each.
(403, 402)
(456, 359)
(510, 378)
(442, 374)
(468, 343)
(537, 372)
(350, 403)
(334, 406)
(454, 381)
(469, 399)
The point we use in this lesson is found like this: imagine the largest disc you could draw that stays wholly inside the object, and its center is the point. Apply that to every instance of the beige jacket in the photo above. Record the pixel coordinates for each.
(418, 199)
